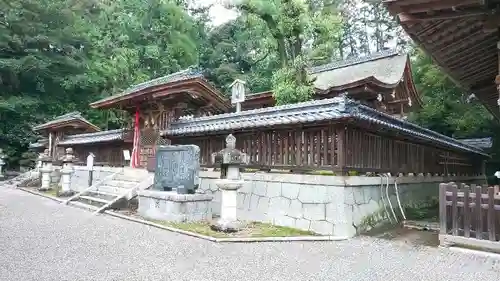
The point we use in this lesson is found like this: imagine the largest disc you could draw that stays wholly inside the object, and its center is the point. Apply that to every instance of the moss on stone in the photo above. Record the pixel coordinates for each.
(253, 229)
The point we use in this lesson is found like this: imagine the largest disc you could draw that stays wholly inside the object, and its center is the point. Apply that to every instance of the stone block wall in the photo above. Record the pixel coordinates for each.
(170, 206)
(80, 178)
(330, 205)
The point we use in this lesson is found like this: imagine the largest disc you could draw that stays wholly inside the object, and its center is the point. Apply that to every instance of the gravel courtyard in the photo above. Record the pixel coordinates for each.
(43, 240)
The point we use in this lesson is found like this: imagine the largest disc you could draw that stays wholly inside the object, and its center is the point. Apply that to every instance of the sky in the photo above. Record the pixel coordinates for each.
(218, 13)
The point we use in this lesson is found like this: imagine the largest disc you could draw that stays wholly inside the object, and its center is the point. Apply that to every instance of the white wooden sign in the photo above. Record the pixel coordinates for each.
(237, 91)
(126, 155)
(90, 161)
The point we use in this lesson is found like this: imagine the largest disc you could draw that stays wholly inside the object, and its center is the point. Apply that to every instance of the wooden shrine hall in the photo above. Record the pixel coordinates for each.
(356, 122)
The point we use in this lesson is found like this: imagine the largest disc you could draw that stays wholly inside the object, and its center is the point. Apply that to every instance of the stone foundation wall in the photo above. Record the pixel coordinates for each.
(170, 206)
(331, 205)
(80, 178)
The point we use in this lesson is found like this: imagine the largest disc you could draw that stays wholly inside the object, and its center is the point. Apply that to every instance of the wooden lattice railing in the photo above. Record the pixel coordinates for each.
(338, 148)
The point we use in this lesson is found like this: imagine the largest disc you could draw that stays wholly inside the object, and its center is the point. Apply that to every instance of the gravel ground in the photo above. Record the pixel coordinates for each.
(43, 240)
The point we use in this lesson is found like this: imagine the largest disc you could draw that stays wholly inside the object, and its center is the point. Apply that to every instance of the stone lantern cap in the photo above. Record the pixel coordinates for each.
(230, 155)
(44, 157)
(69, 157)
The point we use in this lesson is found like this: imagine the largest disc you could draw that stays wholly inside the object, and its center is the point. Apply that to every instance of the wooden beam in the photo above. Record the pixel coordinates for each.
(436, 6)
(406, 17)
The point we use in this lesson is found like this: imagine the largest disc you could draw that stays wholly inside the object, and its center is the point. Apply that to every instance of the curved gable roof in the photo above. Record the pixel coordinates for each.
(384, 69)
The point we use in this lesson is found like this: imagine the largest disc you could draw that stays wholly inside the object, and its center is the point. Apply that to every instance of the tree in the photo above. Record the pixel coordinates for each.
(294, 25)
(447, 109)
(239, 49)
(40, 51)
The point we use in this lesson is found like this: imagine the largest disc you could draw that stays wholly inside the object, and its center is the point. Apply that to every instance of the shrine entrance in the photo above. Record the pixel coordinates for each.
(155, 104)
(149, 139)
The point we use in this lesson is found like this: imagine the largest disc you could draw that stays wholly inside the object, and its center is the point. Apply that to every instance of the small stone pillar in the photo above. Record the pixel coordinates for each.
(230, 159)
(46, 171)
(2, 163)
(66, 172)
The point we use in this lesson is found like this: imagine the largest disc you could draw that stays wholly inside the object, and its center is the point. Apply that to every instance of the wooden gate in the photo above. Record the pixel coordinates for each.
(149, 139)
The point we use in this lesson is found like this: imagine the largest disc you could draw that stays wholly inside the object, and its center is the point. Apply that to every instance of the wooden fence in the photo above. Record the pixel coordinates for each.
(469, 216)
(338, 148)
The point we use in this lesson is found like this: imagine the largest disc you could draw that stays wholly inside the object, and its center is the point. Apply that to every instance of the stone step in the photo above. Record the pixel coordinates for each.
(113, 189)
(103, 193)
(121, 183)
(82, 205)
(95, 199)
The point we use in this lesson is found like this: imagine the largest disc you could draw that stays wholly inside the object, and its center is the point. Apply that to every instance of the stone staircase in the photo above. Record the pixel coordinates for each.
(113, 190)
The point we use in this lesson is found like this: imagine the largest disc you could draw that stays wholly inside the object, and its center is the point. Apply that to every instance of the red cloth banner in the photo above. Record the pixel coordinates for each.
(135, 163)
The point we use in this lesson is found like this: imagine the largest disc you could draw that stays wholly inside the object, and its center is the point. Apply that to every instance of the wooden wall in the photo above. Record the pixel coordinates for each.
(106, 153)
(338, 147)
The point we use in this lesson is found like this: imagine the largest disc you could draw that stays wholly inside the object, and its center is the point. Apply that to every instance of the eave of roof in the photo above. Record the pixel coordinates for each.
(483, 143)
(72, 117)
(460, 46)
(38, 144)
(384, 69)
(337, 108)
(98, 137)
(190, 75)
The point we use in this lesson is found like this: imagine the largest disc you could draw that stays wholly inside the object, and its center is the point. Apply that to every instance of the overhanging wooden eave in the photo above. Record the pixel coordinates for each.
(70, 123)
(170, 88)
(461, 46)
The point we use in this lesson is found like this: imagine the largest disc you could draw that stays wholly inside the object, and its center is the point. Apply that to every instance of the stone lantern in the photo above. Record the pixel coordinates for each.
(230, 160)
(67, 170)
(238, 93)
(2, 163)
(46, 170)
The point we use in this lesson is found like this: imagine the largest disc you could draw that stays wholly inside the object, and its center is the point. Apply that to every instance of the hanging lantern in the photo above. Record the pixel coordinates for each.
(238, 91)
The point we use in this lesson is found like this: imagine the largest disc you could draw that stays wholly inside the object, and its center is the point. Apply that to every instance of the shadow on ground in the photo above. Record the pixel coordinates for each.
(408, 236)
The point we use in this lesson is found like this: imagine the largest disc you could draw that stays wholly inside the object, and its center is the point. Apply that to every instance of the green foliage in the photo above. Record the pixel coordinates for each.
(447, 109)
(287, 88)
(58, 56)
(291, 23)
(28, 159)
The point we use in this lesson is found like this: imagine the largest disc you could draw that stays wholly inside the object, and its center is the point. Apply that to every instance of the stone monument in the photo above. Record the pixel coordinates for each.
(177, 168)
(66, 172)
(2, 163)
(172, 196)
(46, 171)
(230, 159)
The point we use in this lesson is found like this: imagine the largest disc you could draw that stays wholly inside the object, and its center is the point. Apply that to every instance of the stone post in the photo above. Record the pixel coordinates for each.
(230, 159)
(46, 171)
(2, 163)
(66, 172)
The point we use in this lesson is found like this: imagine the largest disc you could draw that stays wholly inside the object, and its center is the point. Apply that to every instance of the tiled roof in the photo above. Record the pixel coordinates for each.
(312, 111)
(386, 67)
(104, 136)
(483, 143)
(185, 74)
(40, 143)
(76, 116)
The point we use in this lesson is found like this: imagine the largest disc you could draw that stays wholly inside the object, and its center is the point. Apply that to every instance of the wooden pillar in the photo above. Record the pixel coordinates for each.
(50, 144)
(342, 149)
(155, 120)
(497, 79)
